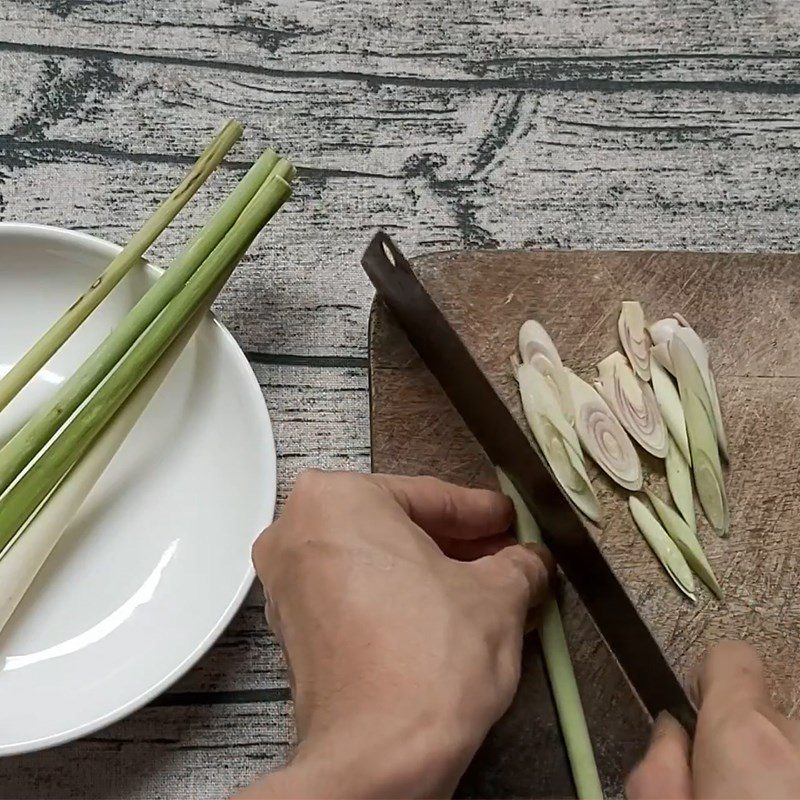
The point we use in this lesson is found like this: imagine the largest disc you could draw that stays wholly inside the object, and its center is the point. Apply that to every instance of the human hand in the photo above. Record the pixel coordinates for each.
(400, 604)
(743, 747)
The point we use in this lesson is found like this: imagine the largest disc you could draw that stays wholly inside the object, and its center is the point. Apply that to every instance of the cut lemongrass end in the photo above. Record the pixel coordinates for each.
(67, 324)
(665, 550)
(559, 667)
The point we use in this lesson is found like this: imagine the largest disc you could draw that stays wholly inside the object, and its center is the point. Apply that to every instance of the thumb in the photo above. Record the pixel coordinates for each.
(523, 572)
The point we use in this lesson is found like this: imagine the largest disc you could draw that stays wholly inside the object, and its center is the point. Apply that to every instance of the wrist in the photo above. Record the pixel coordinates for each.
(379, 757)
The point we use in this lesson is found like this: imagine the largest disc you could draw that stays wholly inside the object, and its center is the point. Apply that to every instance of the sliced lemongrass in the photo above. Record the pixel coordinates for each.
(634, 403)
(537, 349)
(35, 484)
(679, 480)
(634, 339)
(665, 550)
(539, 396)
(669, 403)
(560, 671)
(699, 352)
(25, 556)
(661, 332)
(660, 354)
(602, 436)
(687, 542)
(567, 466)
(39, 354)
(48, 418)
(697, 409)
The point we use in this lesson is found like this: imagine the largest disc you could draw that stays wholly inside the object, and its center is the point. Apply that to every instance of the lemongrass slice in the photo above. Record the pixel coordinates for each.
(687, 542)
(634, 339)
(567, 466)
(660, 354)
(699, 352)
(662, 545)
(559, 667)
(602, 437)
(537, 349)
(634, 403)
(662, 333)
(697, 409)
(679, 480)
(669, 403)
(539, 396)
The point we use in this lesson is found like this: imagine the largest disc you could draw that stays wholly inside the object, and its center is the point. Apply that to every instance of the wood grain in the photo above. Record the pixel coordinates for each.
(745, 307)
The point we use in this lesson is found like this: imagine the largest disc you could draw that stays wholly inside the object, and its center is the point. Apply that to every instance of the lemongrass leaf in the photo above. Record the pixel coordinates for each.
(537, 349)
(633, 402)
(560, 671)
(669, 403)
(634, 338)
(663, 547)
(602, 436)
(697, 409)
(687, 542)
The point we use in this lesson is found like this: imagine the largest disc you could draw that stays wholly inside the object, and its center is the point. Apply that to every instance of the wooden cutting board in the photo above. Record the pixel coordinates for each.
(747, 309)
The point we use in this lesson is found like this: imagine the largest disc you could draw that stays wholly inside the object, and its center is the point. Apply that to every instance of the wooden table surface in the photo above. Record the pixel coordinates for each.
(480, 123)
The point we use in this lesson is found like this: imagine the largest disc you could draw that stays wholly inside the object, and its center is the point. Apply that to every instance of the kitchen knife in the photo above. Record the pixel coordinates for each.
(564, 529)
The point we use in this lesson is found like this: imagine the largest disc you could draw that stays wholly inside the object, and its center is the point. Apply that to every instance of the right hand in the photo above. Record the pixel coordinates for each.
(743, 747)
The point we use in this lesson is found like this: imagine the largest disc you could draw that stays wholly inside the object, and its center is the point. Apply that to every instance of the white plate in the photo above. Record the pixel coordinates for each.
(158, 560)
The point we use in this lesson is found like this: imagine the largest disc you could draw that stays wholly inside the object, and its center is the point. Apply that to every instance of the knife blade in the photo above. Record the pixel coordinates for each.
(564, 530)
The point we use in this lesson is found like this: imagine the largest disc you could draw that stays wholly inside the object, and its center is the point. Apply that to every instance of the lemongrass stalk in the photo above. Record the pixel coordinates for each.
(24, 497)
(41, 427)
(559, 667)
(23, 560)
(41, 352)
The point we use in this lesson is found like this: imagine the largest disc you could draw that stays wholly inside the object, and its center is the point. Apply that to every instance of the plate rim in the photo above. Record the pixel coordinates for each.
(242, 364)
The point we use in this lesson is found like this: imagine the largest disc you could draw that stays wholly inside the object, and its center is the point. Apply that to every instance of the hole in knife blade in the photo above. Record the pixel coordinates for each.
(389, 254)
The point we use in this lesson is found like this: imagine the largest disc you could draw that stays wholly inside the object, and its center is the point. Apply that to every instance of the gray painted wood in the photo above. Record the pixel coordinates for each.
(560, 123)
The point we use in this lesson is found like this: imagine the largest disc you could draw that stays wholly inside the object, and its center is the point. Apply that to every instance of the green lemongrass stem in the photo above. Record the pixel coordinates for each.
(679, 481)
(47, 419)
(24, 497)
(559, 667)
(687, 542)
(664, 549)
(41, 352)
(25, 556)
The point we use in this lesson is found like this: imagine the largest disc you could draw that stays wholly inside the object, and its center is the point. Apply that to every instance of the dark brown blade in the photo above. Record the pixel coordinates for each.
(564, 530)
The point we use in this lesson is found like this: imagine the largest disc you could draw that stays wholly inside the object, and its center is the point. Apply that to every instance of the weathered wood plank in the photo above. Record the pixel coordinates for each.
(567, 40)
(321, 420)
(201, 751)
(443, 169)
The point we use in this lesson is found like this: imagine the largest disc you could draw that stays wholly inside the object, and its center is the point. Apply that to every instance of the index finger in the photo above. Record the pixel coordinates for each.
(444, 510)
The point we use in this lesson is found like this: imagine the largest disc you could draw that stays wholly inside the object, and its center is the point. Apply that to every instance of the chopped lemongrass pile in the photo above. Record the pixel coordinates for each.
(51, 464)
(659, 393)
